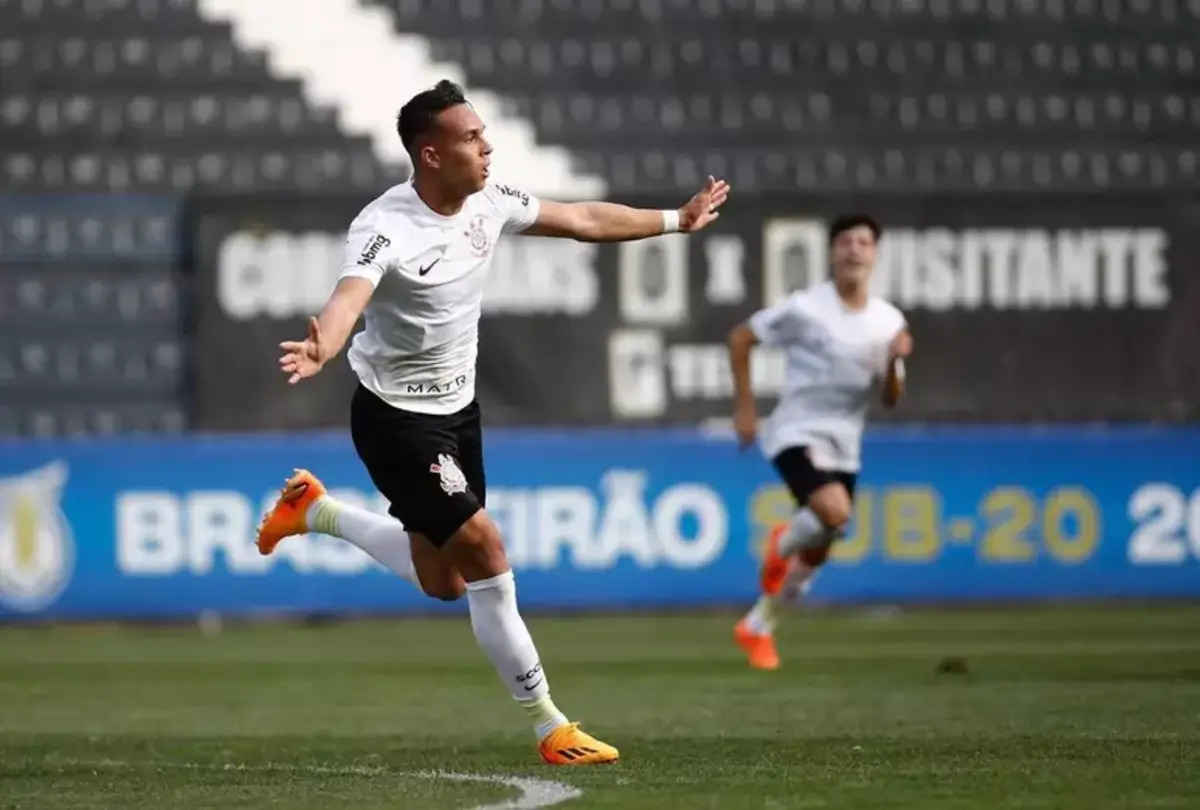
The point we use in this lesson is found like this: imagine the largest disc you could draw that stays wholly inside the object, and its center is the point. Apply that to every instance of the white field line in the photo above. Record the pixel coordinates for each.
(532, 793)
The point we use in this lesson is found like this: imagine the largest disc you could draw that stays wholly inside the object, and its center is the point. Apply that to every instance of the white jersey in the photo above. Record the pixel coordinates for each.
(836, 357)
(421, 339)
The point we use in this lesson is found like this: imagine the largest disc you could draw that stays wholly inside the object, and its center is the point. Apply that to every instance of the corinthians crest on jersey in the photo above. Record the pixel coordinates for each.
(451, 475)
(477, 233)
(37, 551)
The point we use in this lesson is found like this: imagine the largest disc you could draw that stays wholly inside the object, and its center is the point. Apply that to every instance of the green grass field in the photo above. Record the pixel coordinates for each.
(1065, 708)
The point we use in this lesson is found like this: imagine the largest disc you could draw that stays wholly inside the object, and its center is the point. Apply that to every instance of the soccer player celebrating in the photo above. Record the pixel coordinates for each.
(840, 342)
(416, 260)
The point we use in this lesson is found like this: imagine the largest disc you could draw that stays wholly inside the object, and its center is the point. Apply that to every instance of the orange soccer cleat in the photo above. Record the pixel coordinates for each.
(288, 516)
(570, 745)
(775, 567)
(759, 647)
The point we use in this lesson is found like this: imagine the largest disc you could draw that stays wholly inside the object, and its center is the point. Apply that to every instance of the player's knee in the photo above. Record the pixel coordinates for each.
(444, 584)
(836, 517)
(438, 578)
(831, 504)
(478, 548)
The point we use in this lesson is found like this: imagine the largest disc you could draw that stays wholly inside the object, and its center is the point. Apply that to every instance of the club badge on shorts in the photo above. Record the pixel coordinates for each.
(477, 233)
(451, 476)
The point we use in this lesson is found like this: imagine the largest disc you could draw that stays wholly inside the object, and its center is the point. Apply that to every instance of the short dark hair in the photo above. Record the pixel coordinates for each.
(417, 116)
(847, 221)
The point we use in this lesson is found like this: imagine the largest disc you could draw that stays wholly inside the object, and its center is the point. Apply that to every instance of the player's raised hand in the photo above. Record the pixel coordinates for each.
(303, 358)
(702, 208)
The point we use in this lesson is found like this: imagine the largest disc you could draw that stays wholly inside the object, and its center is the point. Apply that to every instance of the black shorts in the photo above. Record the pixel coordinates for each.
(428, 466)
(803, 479)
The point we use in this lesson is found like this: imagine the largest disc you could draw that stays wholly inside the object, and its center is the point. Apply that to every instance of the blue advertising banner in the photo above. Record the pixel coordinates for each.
(607, 519)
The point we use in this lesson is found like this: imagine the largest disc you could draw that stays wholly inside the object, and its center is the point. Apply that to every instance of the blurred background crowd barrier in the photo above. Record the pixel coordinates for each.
(176, 177)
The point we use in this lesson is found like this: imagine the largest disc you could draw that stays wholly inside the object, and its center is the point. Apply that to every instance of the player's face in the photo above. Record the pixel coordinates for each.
(854, 254)
(462, 150)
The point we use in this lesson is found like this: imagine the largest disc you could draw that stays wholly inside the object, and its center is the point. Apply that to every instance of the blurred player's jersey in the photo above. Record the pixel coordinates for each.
(421, 339)
(836, 357)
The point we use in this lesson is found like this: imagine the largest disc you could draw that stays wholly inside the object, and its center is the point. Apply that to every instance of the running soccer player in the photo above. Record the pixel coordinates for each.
(840, 343)
(415, 262)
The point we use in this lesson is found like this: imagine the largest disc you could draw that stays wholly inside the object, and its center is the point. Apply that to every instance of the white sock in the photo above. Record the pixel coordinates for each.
(804, 528)
(502, 634)
(381, 536)
(763, 618)
(798, 582)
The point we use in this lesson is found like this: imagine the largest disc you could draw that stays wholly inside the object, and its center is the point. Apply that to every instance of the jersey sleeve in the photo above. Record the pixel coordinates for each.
(777, 324)
(366, 253)
(894, 323)
(897, 323)
(517, 208)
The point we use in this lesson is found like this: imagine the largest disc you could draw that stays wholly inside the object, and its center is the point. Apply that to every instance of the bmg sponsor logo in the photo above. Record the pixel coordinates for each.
(371, 252)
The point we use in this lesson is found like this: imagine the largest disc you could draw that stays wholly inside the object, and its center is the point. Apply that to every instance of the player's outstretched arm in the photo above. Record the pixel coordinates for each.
(328, 332)
(745, 415)
(893, 383)
(611, 222)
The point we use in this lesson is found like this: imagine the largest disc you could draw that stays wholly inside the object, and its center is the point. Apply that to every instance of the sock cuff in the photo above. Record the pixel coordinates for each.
(322, 516)
(808, 519)
(505, 580)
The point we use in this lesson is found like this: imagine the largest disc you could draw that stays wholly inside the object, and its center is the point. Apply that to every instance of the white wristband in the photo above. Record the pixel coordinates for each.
(670, 221)
(898, 365)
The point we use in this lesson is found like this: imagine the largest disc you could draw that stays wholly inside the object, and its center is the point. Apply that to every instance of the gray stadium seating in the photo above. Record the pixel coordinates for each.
(145, 95)
(844, 95)
(132, 97)
(92, 315)
(837, 95)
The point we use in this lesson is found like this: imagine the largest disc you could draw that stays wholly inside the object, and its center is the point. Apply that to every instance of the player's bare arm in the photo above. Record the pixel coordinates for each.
(742, 341)
(893, 384)
(328, 332)
(612, 222)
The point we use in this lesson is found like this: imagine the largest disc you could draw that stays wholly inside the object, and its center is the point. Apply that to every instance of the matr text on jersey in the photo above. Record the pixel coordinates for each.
(438, 387)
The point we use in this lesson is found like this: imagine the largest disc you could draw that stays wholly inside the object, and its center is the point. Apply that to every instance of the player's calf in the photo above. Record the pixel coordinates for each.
(831, 507)
(814, 556)
(477, 551)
